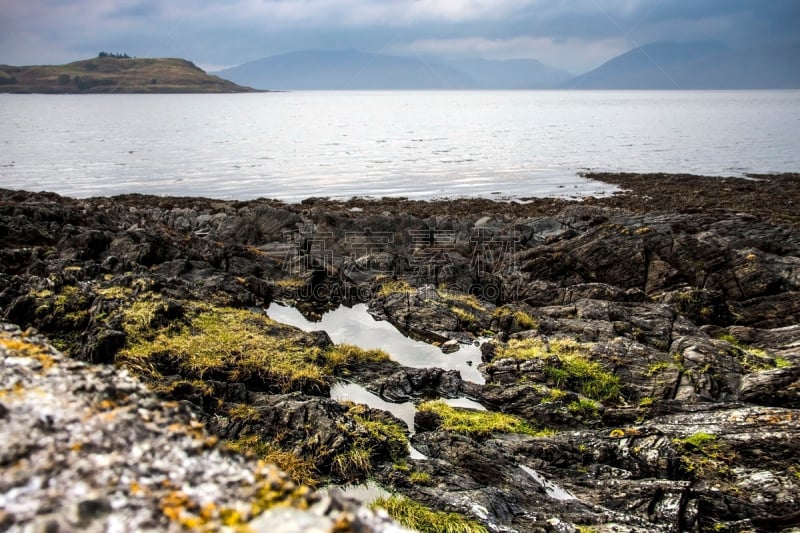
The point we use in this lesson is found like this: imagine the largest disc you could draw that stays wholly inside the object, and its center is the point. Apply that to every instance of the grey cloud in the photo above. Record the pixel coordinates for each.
(207, 31)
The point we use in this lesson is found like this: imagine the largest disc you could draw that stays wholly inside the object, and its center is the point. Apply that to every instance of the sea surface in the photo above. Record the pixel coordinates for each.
(497, 144)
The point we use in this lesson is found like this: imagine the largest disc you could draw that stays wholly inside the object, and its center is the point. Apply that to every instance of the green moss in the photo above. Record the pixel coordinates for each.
(138, 317)
(522, 318)
(114, 292)
(389, 434)
(754, 359)
(697, 440)
(44, 293)
(65, 297)
(646, 401)
(420, 478)
(463, 299)
(353, 464)
(224, 343)
(291, 283)
(574, 370)
(243, 412)
(477, 423)
(554, 395)
(703, 455)
(416, 516)
(655, 368)
(583, 407)
(465, 307)
(401, 466)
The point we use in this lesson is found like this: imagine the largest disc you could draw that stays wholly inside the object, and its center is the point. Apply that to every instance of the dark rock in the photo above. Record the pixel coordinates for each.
(779, 387)
(450, 346)
(104, 346)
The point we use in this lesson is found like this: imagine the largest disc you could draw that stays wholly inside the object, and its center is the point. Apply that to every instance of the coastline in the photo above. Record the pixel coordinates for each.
(646, 341)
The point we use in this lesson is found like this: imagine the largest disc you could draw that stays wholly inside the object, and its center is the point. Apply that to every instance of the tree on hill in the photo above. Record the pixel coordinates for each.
(115, 56)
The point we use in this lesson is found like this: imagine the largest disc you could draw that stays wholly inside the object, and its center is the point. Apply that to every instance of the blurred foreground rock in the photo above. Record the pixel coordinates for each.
(89, 448)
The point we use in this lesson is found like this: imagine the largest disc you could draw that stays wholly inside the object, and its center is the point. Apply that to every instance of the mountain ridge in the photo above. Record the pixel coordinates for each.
(659, 65)
(345, 69)
(694, 65)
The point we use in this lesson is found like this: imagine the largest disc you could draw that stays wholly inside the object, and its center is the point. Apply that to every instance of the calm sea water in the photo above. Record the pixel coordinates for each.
(416, 144)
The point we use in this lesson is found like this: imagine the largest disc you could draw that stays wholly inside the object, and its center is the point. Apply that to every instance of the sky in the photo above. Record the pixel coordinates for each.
(575, 35)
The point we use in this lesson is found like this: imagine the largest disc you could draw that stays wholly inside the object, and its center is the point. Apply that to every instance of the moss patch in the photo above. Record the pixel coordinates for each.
(299, 469)
(571, 368)
(523, 319)
(416, 516)
(388, 434)
(230, 344)
(478, 423)
(389, 287)
(704, 456)
(754, 359)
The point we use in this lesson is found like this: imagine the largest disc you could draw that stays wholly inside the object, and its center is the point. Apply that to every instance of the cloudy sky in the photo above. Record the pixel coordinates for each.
(576, 35)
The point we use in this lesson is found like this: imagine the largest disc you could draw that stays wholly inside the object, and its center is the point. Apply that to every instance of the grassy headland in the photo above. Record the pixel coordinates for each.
(115, 75)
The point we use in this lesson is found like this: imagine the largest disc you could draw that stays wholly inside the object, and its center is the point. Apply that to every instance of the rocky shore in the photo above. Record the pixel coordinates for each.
(640, 353)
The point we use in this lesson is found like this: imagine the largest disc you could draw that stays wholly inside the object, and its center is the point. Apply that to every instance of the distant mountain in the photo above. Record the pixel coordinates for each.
(115, 75)
(347, 69)
(511, 74)
(695, 65)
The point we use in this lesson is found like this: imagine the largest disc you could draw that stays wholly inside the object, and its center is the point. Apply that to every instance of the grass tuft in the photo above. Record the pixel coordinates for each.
(522, 318)
(300, 469)
(573, 370)
(223, 343)
(478, 423)
(754, 359)
(416, 516)
(390, 287)
(583, 407)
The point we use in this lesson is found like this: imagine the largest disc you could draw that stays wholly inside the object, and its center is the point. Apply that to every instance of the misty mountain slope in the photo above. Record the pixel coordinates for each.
(697, 65)
(315, 69)
(511, 74)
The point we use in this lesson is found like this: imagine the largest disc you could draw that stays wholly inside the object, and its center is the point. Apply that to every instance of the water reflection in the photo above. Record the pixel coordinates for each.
(354, 325)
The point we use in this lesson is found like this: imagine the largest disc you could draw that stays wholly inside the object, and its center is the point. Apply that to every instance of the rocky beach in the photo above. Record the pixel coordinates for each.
(637, 368)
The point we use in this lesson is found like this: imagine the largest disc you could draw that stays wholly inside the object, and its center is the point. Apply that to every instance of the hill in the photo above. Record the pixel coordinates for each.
(511, 73)
(346, 69)
(351, 69)
(695, 65)
(115, 75)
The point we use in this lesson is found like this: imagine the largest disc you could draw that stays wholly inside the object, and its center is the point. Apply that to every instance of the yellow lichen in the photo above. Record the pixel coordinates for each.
(23, 348)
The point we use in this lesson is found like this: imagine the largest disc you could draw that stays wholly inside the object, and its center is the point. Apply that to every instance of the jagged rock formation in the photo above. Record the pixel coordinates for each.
(642, 373)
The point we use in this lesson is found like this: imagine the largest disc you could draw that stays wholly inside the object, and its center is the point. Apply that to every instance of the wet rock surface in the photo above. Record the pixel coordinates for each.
(642, 372)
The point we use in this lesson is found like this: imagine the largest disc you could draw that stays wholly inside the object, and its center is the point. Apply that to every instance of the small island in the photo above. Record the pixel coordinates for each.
(115, 73)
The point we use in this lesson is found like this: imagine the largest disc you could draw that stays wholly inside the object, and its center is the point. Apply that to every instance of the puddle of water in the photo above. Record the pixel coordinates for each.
(551, 489)
(343, 391)
(354, 325)
(465, 403)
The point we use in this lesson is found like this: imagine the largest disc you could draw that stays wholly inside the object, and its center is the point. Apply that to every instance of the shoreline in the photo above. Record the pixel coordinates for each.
(774, 196)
